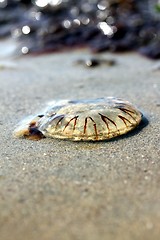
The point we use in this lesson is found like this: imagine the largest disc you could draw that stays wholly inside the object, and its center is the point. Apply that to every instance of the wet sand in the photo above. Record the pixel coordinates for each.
(63, 190)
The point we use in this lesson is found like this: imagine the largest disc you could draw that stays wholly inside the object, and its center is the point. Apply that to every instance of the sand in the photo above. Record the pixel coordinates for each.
(62, 190)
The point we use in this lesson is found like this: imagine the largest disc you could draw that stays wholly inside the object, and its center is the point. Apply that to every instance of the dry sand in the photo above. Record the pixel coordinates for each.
(62, 190)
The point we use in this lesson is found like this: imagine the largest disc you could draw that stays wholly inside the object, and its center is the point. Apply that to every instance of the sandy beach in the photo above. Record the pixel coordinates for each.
(62, 190)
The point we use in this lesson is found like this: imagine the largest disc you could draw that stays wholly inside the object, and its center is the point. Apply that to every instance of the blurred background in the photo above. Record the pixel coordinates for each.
(41, 26)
